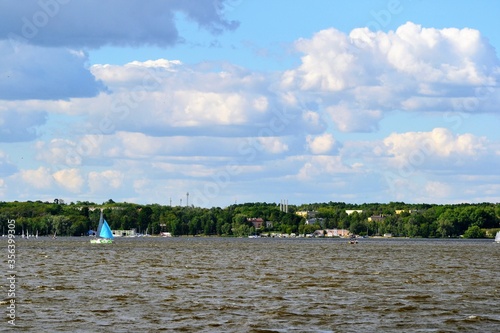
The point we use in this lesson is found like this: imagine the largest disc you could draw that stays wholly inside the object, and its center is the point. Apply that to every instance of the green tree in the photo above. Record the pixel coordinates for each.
(446, 223)
(474, 232)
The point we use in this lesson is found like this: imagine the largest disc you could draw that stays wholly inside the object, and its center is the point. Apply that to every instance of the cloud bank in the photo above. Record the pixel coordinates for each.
(361, 75)
(150, 128)
(94, 23)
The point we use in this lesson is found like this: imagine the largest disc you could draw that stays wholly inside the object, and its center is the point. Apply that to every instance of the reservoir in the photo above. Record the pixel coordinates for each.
(153, 284)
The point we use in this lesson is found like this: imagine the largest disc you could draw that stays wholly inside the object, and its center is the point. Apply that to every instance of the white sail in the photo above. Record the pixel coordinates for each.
(497, 237)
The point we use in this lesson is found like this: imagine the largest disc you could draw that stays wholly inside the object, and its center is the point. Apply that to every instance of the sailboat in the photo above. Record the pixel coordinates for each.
(104, 234)
(497, 237)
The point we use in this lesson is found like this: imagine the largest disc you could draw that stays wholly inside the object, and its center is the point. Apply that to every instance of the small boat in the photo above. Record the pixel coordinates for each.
(353, 240)
(497, 237)
(104, 233)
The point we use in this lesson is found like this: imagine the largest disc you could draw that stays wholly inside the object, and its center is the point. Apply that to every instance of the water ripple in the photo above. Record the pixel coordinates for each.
(258, 285)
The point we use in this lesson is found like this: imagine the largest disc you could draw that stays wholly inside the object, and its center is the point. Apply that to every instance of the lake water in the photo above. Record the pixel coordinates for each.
(255, 285)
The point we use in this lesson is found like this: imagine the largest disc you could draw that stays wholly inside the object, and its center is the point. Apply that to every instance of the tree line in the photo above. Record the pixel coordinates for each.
(412, 220)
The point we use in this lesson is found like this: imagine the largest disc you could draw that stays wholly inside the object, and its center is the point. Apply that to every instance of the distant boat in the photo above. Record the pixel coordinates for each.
(353, 240)
(104, 233)
(497, 237)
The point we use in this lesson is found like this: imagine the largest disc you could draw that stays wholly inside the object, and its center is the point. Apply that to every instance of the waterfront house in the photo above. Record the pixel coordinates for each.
(257, 222)
(337, 233)
(124, 233)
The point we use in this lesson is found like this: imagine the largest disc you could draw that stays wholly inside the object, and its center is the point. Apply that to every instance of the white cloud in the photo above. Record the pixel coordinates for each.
(273, 145)
(361, 75)
(146, 75)
(194, 108)
(438, 190)
(164, 98)
(334, 61)
(349, 119)
(58, 151)
(165, 126)
(105, 180)
(40, 178)
(70, 179)
(322, 167)
(137, 145)
(418, 148)
(313, 122)
(321, 144)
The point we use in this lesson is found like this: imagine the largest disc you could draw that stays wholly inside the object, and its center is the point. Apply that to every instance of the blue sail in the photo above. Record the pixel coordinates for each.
(106, 231)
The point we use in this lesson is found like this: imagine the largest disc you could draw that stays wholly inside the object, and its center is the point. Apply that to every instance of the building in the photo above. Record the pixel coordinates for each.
(257, 222)
(376, 218)
(306, 214)
(319, 233)
(337, 233)
(350, 211)
(320, 221)
(124, 233)
(411, 211)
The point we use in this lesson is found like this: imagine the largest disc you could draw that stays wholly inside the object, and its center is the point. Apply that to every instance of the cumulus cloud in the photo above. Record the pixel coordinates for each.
(335, 61)
(313, 121)
(350, 119)
(40, 178)
(438, 190)
(273, 145)
(440, 143)
(95, 23)
(166, 98)
(69, 179)
(321, 144)
(145, 121)
(323, 167)
(146, 75)
(365, 73)
(104, 180)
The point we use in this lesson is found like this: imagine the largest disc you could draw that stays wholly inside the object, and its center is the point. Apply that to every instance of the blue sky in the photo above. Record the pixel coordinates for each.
(239, 100)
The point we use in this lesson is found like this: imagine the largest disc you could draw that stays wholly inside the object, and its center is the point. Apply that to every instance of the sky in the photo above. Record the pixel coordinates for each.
(215, 102)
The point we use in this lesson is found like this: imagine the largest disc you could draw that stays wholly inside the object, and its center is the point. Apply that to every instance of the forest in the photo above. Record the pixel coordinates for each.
(397, 218)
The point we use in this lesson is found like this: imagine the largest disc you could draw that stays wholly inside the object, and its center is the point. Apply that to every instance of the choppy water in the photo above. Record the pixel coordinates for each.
(255, 285)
